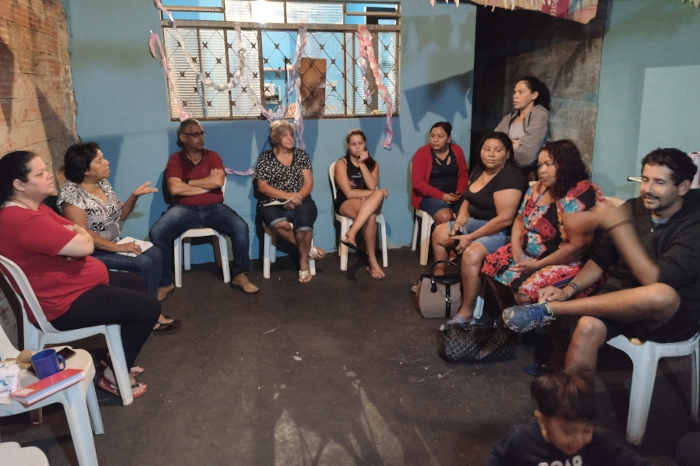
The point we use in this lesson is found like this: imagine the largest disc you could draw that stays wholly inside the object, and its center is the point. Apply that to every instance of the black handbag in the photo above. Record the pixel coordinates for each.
(439, 296)
(475, 343)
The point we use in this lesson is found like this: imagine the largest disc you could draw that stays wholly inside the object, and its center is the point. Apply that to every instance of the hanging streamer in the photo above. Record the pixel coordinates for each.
(365, 38)
(154, 41)
(238, 77)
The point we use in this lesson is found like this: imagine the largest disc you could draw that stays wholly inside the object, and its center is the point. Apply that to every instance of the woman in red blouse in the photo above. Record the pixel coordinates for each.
(73, 289)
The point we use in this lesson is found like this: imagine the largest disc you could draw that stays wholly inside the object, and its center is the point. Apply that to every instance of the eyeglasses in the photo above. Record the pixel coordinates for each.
(199, 134)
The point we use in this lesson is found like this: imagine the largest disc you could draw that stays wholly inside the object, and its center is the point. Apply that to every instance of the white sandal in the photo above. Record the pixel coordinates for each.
(314, 254)
(304, 276)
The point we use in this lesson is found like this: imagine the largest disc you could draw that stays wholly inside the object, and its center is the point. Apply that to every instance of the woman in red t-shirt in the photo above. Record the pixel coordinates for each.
(54, 253)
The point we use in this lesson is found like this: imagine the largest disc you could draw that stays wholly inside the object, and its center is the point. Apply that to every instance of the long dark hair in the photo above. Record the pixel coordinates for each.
(503, 137)
(570, 167)
(13, 166)
(535, 85)
(370, 162)
(78, 159)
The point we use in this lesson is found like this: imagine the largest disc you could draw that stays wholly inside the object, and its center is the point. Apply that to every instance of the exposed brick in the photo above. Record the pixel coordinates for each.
(37, 107)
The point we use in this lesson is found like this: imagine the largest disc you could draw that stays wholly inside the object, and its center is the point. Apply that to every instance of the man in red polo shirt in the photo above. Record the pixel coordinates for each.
(195, 176)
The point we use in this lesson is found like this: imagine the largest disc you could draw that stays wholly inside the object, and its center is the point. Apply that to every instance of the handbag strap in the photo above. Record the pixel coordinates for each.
(430, 272)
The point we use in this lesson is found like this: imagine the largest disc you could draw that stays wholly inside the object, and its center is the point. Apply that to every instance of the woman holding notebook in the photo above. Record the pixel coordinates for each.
(88, 199)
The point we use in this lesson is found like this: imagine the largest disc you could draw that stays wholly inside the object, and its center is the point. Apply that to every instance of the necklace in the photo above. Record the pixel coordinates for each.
(541, 195)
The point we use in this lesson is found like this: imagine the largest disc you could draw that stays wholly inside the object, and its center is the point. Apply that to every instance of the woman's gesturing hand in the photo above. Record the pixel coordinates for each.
(144, 189)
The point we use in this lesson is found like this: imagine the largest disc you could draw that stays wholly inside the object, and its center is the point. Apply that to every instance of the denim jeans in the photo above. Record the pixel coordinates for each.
(303, 216)
(149, 265)
(180, 218)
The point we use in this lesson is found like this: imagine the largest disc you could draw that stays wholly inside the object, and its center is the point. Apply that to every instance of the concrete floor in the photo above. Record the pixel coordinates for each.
(341, 371)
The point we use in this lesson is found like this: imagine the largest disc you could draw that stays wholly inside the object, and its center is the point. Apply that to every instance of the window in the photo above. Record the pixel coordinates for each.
(331, 80)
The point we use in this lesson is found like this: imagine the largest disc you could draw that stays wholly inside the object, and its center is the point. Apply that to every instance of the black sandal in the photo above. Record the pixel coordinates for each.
(167, 328)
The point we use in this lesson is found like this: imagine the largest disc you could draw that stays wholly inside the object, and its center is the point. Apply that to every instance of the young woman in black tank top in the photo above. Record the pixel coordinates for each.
(359, 197)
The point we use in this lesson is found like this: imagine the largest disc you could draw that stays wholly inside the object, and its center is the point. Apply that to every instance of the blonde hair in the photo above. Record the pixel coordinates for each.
(277, 128)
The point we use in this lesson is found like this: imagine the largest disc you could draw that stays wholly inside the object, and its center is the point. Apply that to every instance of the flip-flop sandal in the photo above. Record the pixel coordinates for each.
(304, 276)
(315, 254)
(167, 328)
(374, 274)
(348, 243)
(105, 385)
(134, 371)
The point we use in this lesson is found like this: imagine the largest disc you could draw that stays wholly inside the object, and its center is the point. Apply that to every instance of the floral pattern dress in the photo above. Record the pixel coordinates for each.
(543, 233)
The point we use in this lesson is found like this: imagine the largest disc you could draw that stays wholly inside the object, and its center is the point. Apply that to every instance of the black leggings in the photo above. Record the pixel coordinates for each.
(121, 302)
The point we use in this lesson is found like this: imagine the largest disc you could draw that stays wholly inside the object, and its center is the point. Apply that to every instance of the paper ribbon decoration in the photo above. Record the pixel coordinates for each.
(154, 41)
(365, 39)
(238, 77)
(580, 11)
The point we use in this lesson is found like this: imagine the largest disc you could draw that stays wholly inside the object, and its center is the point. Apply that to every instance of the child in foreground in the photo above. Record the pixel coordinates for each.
(563, 432)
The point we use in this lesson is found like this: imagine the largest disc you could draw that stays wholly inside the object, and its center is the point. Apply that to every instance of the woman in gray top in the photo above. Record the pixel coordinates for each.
(528, 125)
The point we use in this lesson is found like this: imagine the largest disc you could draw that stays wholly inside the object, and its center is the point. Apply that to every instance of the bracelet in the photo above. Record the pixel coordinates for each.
(624, 222)
(460, 224)
(573, 285)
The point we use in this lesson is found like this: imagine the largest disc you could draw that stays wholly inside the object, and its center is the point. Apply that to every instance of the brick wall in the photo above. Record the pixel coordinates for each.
(37, 106)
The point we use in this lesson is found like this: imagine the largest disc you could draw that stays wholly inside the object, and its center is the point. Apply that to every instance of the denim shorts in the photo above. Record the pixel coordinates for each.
(491, 242)
(432, 206)
(303, 216)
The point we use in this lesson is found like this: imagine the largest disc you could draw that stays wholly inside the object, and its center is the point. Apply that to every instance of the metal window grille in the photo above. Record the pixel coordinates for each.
(331, 80)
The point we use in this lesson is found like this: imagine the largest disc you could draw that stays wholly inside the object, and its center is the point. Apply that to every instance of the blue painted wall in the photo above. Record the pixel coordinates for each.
(122, 104)
(643, 38)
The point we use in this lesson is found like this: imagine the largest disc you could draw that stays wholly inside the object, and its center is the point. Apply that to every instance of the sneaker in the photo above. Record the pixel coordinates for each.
(240, 282)
(524, 318)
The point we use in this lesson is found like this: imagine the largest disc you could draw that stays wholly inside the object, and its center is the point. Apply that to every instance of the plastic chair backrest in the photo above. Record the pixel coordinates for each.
(7, 349)
(331, 175)
(25, 295)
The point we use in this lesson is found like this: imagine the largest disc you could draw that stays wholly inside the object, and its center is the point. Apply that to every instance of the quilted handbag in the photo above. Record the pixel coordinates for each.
(439, 296)
(477, 343)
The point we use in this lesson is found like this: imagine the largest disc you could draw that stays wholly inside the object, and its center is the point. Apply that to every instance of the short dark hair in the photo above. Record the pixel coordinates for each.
(535, 85)
(447, 126)
(13, 166)
(681, 165)
(567, 395)
(570, 167)
(503, 137)
(181, 129)
(77, 160)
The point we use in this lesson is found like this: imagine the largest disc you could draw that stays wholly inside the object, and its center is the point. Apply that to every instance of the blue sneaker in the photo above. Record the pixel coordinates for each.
(524, 318)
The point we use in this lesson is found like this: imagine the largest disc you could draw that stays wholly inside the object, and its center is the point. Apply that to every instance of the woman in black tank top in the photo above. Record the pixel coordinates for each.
(359, 197)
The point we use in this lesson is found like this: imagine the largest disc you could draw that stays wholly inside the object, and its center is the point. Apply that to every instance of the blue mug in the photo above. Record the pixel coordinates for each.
(47, 363)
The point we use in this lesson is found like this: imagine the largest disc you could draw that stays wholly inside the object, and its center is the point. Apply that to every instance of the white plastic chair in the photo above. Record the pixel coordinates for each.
(11, 454)
(37, 338)
(426, 224)
(645, 358)
(270, 251)
(79, 402)
(183, 245)
(346, 222)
